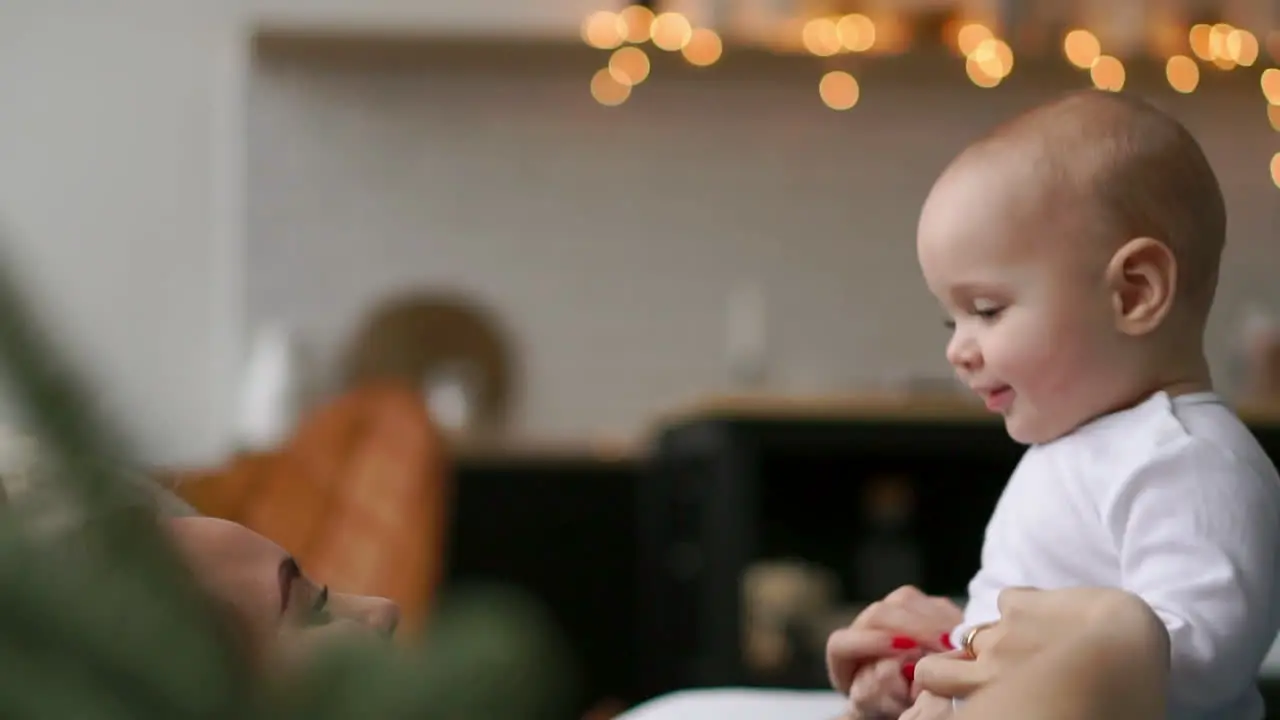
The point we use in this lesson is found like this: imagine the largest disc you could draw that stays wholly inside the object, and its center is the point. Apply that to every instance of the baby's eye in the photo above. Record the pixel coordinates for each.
(986, 309)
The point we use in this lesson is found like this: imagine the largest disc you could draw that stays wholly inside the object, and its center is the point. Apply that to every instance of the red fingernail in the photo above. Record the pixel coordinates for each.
(946, 641)
(909, 672)
(904, 643)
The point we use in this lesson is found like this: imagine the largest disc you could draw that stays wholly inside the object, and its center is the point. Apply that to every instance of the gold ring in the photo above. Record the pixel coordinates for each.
(966, 641)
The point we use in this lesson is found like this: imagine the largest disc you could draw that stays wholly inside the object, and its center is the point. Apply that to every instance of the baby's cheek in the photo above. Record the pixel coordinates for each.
(1046, 358)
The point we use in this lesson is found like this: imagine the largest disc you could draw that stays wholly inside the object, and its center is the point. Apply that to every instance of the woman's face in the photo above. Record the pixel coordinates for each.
(283, 612)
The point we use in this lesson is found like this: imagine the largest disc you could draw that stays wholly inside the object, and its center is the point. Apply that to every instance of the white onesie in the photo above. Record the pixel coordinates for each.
(1173, 500)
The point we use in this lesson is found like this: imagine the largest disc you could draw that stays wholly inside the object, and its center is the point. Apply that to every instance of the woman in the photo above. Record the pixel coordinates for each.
(1107, 660)
(282, 612)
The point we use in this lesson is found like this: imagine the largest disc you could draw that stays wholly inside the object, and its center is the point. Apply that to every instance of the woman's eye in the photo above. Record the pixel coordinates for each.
(319, 614)
(988, 313)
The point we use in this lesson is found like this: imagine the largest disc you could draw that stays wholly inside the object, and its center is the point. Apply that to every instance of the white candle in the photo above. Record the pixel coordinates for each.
(747, 331)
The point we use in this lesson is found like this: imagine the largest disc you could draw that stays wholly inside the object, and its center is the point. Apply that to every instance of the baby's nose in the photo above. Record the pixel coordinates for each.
(963, 354)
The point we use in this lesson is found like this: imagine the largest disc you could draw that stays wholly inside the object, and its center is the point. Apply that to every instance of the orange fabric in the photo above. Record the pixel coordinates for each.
(358, 496)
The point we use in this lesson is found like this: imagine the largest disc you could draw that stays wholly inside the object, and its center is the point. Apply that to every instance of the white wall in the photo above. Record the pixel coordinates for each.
(121, 184)
(609, 239)
(119, 139)
(463, 17)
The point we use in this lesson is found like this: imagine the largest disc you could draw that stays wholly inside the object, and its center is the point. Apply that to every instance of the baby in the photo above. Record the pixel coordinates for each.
(1076, 252)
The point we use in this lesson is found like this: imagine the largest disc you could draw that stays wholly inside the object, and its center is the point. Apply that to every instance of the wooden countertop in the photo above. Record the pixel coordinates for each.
(885, 406)
(868, 407)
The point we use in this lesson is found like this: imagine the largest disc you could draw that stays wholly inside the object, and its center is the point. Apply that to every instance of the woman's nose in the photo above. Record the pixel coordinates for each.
(378, 614)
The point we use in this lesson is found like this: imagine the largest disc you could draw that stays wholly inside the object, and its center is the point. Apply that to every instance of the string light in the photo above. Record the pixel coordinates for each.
(1082, 48)
(988, 59)
(839, 90)
(821, 37)
(704, 48)
(994, 57)
(1108, 74)
(977, 75)
(1218, 46)
(1183, 73)
(1199, 38)
(1242, 47)
(969, 37)
(1270, 82)
(637, 23)
(629, 65)
(607, 90)
(857, 32)
(671, 31)
(603, 30)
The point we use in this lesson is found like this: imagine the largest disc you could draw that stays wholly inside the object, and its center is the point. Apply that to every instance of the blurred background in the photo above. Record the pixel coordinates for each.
(649, 269)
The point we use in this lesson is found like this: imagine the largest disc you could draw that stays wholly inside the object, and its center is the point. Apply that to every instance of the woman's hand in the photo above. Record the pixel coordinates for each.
(1030, 622)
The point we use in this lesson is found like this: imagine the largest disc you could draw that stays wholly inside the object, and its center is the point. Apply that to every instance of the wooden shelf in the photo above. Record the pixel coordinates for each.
(535, 451)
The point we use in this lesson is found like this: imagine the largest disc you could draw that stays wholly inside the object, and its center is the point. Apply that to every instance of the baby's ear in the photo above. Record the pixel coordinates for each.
(1142, 277)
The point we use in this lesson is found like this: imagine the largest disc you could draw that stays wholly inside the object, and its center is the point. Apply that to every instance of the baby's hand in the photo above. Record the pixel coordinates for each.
(928, 707)
(880, 690)
(906, 624)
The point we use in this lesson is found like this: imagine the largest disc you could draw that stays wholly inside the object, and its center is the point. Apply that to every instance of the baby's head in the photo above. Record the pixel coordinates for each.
(1076, 250)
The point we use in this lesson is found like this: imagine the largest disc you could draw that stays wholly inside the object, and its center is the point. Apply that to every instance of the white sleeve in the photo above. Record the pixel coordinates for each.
(1197, 531)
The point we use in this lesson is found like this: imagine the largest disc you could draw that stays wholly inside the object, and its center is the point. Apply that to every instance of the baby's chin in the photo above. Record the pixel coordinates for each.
(1034, 431)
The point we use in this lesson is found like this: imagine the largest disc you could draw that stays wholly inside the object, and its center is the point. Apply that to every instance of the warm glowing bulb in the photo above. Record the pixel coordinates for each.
(1273, 116)
(637, 23)
(994, 57)
(603, 30)
(1183, 73)
(606, 89)
(1275, 169)
(820, 37)
(978, 76)
(629, 65)
(857, 32)
(1242, 47)
(671, 31)
(1082, 48)
(1108, 74)
(839, 90)
(971, 36)
(704, 48)
(1199, 37)
(1218, 41)
(1271, 85)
